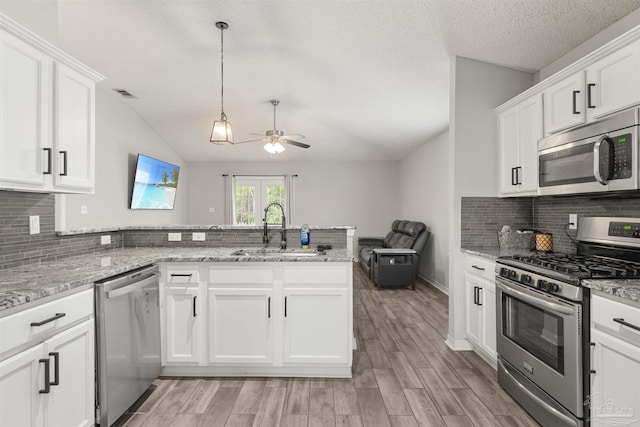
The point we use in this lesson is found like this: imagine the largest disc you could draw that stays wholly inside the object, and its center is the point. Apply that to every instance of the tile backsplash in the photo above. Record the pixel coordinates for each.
(482, 217)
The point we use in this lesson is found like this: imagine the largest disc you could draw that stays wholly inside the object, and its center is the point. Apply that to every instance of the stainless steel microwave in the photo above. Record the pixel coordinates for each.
(601, 156)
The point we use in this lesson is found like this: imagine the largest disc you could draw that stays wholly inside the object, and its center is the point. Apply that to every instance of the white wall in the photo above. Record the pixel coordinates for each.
(611, 32)
(39, 16)
(477, 88)
(423, 197)
(120, 135)
(364, 194)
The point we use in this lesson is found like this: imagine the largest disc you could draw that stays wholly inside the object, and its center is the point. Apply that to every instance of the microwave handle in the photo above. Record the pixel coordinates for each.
(597, 148)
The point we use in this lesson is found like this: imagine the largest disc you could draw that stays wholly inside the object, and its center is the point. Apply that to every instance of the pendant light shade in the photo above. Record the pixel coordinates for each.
(221, 133)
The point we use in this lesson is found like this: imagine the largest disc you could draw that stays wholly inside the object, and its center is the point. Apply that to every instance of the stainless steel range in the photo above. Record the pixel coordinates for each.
(543, 318)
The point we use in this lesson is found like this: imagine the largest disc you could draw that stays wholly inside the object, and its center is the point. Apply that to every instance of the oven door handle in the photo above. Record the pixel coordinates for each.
(567, 421)
(556, 308)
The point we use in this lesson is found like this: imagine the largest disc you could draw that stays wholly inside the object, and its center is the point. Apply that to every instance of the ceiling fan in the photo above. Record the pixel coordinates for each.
(275, 138)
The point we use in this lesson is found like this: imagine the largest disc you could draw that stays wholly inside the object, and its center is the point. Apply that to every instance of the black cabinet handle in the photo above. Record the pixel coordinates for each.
(181, 274)
(56, 366)
(46, 376)
(592, 371)
(627, 324)
(285, 306)
(48, 171)
(575, 102)
(269, 307)
(518, 169)
(513, 176)
(478, 268)
(479, 289)
(589, 87)
(475, 295)
(51, 319)
(64, 163)
(194, 305)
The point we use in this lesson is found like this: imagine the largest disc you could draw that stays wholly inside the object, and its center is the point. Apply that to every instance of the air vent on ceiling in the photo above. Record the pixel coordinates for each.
(125, 93)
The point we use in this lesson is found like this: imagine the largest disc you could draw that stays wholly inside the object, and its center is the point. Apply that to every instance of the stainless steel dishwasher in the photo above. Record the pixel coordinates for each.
(127, 340)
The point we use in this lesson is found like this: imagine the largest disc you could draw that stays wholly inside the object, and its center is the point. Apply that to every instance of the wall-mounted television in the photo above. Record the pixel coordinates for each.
(154, 184)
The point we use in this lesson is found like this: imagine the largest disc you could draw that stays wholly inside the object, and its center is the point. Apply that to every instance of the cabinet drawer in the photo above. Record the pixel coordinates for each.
(17, 329)
(480, 266)
(321, 275)
(605, 310)
(181, 275)
(245, 275)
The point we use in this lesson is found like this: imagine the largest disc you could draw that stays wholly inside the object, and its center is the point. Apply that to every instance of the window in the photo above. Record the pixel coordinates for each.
(251, 195)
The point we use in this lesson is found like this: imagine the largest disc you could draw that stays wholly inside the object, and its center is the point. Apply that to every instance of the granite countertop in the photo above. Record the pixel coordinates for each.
(21, 285)
(628, 289)
(201, 227)
(493, 253)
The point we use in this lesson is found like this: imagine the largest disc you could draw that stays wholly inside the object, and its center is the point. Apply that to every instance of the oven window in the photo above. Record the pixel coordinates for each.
(535, 330)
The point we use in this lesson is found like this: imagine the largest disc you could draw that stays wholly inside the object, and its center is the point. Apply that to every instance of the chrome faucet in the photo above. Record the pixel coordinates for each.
(283, 233)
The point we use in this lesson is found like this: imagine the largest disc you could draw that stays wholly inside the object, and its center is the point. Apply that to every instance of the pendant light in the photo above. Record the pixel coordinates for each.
(221, 133)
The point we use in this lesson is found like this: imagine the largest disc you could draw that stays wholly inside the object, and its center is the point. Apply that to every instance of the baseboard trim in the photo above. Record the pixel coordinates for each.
(439, 286)
(458, 345)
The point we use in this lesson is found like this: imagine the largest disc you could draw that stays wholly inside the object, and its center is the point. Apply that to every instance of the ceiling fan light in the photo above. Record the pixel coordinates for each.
(273, 148)
(221, 133)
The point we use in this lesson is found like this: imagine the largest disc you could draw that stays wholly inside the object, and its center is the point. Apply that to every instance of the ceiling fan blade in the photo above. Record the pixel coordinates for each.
(250, 140)
(257, 134)
(294, 135)
(296, 143)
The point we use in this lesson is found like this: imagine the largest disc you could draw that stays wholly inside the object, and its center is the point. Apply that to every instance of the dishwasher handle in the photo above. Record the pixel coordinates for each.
(132, 287)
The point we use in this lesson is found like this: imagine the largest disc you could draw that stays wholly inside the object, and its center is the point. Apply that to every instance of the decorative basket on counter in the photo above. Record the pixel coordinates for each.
(509, 240)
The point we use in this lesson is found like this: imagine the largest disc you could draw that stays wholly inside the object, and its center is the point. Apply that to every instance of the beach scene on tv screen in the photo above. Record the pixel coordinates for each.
(155, 184)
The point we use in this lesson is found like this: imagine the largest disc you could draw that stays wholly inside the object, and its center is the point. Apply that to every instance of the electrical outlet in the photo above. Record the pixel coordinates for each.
(198, 237)
(105, 240)
(573, 221)
(212, 210)
(174, 237)
(84, 210)
(34, 224)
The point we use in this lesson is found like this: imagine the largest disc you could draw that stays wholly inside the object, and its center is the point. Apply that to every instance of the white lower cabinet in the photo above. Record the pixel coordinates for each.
(183, 314)
(615, 363)
(276, 319)
(480, 305)
(316, 325)
(52, 383)
(240, 325)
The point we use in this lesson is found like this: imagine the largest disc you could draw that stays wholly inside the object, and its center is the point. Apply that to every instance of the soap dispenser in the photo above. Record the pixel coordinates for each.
(304, 236)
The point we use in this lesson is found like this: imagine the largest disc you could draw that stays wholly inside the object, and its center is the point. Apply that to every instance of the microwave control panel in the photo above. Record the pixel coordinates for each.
(624, 229)
(622, 156)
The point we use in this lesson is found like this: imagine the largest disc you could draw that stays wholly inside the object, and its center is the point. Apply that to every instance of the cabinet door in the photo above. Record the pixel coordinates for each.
(472, 309)
(24, 85)
(74, 130)
(530, 131)
(564, 104)
(240, 325)
(21, 379)
(613, 82)
(509, 137)
(316, 325)
(614, 389)
(182, 328)
(488, 323)
(71, 401)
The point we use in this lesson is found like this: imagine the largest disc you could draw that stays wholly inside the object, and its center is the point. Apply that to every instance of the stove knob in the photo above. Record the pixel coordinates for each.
(542, 285)
(553, 287)
(526, 279)
(512, 274)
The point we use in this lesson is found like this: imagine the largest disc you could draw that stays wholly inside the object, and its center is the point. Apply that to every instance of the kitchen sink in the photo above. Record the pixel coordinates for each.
(274, 252)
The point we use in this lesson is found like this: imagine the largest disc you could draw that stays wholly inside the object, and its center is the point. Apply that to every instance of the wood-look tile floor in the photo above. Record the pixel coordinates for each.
(404, 375)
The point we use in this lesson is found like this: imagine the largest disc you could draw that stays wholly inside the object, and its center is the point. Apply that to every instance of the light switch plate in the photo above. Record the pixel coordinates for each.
(34, 224)
(174, 237)
(212, 210)
(198, 237)
(84, 210)
(105, 240)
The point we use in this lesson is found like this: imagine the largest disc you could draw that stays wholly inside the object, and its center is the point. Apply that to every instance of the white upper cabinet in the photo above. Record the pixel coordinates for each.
(24, 83)
(520, 128)
(564, 104)
(47, 116)
(613, 83)
(74, 129)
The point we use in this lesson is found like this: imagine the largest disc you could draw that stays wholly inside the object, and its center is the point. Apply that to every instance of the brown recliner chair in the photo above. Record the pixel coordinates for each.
(394, 261)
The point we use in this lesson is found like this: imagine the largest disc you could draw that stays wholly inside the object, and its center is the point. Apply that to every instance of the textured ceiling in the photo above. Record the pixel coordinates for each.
(363, 80)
